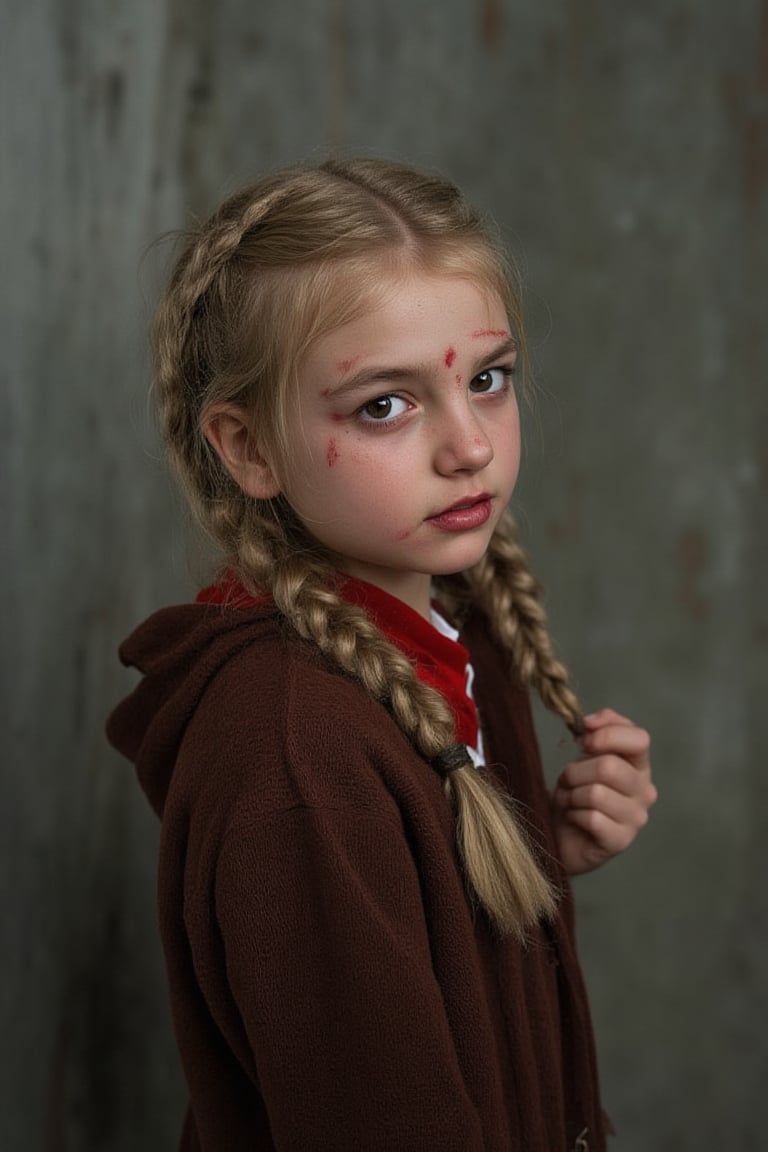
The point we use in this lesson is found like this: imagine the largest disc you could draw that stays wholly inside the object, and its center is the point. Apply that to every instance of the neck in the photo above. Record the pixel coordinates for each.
(413, 588)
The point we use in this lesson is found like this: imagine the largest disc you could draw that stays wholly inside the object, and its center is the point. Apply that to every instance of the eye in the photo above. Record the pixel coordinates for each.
(491, 380)
(383, 409)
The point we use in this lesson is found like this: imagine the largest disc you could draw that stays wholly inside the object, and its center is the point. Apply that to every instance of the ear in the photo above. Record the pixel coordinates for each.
(226, 430)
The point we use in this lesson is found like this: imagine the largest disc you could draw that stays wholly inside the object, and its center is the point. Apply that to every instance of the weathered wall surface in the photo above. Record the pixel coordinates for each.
(624, 150)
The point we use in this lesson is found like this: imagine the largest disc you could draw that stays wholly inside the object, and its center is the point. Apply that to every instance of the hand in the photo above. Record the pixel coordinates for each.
(601, 802)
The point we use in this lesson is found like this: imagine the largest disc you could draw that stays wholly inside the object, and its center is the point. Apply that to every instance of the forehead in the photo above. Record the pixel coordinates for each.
(418, 308)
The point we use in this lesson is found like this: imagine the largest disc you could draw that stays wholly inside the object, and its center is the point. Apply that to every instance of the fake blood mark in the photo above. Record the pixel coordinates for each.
(497, 332)
(450, 356)
(332, 453)
(345, 366)
(459, 378)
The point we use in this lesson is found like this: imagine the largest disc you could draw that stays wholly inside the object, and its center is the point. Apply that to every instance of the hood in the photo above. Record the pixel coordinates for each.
(178, 651)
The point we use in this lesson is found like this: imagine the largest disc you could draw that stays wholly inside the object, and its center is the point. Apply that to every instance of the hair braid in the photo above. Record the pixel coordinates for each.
(504, 585)
(294, 256)
(499, 868)
(190, 350)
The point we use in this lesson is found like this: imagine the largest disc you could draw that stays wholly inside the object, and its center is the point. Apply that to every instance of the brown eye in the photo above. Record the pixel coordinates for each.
(383, 409)
(491, 380)
(379, 408)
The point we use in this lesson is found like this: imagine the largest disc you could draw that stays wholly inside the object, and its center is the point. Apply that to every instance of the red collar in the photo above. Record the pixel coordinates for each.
(439, 661)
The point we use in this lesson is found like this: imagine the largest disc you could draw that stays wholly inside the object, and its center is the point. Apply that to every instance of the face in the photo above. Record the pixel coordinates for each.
(404, 435)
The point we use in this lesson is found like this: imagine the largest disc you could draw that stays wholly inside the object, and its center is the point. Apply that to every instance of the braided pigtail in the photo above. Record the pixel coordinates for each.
(192, 359)
(504, 586)
(296, 255)
(499, 868)
(497, 858)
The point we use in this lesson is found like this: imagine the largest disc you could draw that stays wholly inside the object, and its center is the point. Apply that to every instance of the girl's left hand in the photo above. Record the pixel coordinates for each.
(601, 802)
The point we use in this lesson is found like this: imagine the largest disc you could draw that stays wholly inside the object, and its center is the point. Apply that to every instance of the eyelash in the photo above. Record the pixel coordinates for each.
(507, 371)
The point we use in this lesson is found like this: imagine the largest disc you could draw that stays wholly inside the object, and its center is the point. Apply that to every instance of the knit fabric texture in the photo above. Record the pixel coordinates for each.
(332, 986)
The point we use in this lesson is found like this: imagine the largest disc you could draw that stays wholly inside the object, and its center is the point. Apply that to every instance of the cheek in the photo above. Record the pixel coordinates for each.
(513, 453)
(506, 446)
(370, 489)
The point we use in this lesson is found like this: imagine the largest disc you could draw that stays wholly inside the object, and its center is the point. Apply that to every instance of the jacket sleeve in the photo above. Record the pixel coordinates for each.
(328, 959)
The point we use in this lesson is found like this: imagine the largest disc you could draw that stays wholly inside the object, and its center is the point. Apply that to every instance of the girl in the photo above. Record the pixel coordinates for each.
(369, 945)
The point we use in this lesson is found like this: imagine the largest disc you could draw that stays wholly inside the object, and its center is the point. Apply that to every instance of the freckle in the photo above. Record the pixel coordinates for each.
(332, 453)
(450, 356)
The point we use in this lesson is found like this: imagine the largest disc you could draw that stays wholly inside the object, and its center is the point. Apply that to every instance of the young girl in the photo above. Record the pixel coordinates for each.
(363, 881)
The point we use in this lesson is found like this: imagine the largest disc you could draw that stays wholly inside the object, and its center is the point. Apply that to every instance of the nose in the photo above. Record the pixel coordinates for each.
(461, 442)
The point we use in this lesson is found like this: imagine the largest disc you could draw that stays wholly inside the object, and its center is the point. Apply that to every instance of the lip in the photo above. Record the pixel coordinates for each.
(465, 514)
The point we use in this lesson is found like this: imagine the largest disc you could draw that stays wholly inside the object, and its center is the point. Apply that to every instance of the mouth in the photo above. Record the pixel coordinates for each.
(465, 514)
(463, 504)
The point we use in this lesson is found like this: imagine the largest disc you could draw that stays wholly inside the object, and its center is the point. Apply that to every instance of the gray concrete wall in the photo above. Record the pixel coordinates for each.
(624, 150)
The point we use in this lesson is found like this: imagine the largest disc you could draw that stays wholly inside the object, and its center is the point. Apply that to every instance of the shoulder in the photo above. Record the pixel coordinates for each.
(278, 728)
(275, 687)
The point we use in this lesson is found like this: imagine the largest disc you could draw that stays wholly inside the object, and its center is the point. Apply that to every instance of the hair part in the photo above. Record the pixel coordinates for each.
(276, 267)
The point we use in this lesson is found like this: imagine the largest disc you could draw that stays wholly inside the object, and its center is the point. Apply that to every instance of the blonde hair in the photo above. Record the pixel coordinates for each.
(278, 265)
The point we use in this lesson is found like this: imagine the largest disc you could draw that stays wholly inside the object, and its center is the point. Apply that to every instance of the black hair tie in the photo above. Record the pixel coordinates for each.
(453, 758)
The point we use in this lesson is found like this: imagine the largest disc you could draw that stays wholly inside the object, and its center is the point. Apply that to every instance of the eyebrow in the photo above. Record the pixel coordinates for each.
(367, 376)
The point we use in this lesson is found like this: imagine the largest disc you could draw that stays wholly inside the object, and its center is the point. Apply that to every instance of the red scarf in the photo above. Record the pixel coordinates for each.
(439, 661)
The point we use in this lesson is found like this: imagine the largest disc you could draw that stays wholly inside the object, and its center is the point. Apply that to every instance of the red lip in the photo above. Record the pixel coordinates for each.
(464, 515)
(465, 502)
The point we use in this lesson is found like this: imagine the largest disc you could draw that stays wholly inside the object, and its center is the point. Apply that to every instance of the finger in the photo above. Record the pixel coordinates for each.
(626, 810)
(608, 835)
(595, 720)
(614, 772)
(621, 740)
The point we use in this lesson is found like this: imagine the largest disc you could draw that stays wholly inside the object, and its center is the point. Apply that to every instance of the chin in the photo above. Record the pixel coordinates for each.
(461, 563)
